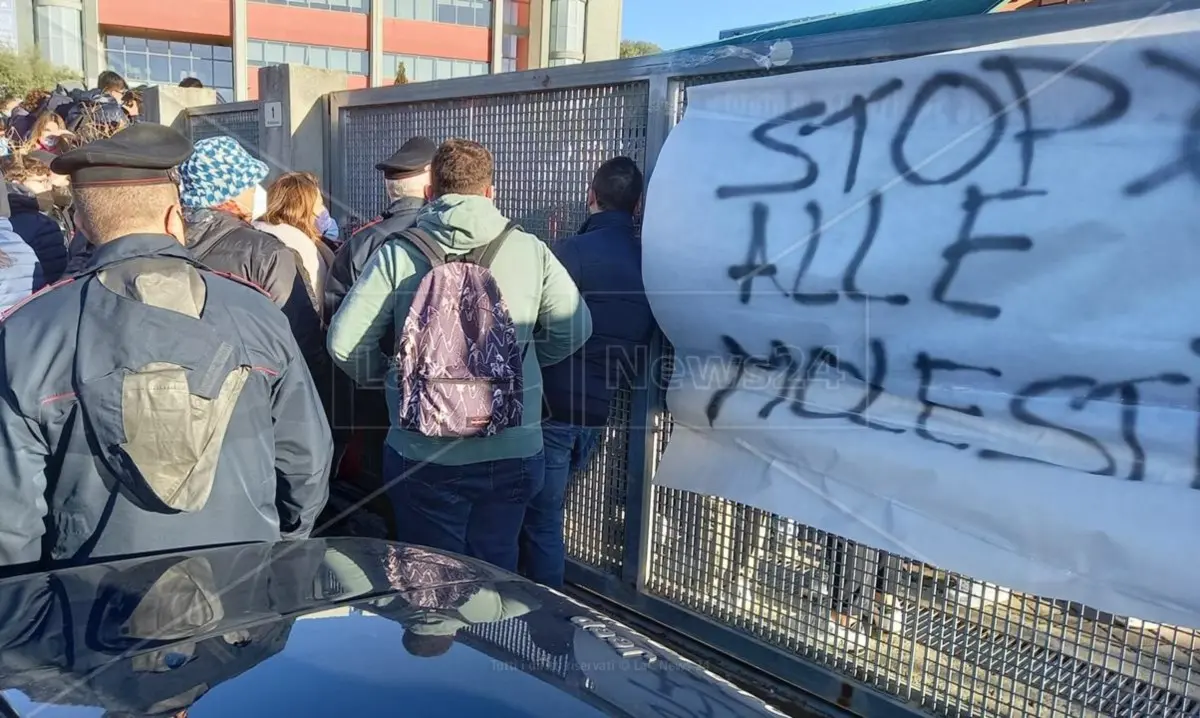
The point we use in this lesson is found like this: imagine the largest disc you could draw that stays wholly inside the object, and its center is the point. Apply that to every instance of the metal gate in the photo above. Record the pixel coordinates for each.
(874, 633)
(239, 120)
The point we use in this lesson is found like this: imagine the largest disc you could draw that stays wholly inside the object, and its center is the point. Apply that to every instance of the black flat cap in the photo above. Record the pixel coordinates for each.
(411, 159)
(143, 153)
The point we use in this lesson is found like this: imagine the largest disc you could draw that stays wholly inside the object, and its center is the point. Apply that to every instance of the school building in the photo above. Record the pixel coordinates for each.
(221, 42)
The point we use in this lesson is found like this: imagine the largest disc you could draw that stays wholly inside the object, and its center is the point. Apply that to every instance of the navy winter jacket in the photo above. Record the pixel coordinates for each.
(41, 233)
(605, 260)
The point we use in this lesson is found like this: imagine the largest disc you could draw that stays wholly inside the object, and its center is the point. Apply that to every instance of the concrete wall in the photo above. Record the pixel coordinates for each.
(299, 143)
(168, 105)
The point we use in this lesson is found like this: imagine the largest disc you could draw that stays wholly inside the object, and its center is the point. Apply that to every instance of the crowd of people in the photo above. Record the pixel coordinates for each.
(188, 356)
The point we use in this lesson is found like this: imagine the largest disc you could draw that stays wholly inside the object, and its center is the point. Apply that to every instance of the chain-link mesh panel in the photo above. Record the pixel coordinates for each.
(952, 644)
(242, 125)
(546, 146)
(595, 517)
(513, 642)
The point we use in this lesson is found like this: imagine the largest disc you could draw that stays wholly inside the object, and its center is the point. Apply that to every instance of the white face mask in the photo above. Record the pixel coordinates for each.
(260, 202)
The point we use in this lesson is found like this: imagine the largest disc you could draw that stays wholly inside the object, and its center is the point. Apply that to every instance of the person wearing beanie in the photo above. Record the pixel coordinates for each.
(220, 188)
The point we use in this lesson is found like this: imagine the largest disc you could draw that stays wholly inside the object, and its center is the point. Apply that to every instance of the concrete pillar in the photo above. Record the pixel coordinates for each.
(539, 34)
(168, 105)
(94, 59)
(239, 42)
(497, 62)
(299, 143)
(375, 58)
(24, 16)
(602, 33)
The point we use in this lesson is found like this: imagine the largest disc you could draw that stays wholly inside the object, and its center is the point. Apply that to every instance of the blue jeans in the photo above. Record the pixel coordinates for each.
(475, 510)
(543, 553)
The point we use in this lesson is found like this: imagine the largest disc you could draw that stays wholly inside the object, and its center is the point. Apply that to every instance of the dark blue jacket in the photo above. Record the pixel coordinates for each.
(41, 233)
(353, 255)
(77, 435)
(354, 406)
(605, 260)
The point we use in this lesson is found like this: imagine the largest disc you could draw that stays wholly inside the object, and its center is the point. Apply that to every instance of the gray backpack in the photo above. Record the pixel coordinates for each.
(459, 363)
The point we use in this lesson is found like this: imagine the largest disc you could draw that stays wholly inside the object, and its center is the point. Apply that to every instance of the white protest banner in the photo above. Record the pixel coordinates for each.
(946, 307)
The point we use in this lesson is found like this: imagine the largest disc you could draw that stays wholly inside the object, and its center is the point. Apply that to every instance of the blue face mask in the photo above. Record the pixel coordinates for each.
(327, 226)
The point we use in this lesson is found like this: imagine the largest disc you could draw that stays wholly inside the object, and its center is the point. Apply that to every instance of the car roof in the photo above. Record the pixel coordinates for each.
(329, 626)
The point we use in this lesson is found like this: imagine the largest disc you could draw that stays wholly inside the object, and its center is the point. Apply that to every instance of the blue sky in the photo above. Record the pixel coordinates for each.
(678, 23)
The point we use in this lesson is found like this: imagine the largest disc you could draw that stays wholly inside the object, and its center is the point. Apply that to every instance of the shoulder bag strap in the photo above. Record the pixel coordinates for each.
(487, 253)
(428, 246)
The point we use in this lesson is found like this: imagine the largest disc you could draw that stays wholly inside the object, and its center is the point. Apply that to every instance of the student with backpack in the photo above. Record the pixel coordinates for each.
(478, 307)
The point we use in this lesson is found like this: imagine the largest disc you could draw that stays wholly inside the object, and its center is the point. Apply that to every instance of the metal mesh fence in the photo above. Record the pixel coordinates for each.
(954, 645)
(242, 125)
(546, 146)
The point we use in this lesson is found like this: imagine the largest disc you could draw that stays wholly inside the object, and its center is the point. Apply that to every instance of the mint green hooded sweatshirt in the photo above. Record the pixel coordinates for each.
(536, 288)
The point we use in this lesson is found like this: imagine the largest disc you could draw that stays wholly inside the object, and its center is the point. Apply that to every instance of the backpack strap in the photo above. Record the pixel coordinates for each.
(428, 246)
(485, 255)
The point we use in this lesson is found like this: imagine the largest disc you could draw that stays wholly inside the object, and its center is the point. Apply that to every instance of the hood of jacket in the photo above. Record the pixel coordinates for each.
(462, 222)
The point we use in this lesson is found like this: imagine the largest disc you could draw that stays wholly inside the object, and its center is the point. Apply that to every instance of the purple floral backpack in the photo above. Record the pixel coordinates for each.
(459, 364)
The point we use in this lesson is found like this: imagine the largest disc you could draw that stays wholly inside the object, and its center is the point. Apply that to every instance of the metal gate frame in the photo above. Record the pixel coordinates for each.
(230, 118)
(666, 77)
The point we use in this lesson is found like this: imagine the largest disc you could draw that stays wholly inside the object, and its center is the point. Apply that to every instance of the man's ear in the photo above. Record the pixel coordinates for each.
(428, 193)
(490, 192)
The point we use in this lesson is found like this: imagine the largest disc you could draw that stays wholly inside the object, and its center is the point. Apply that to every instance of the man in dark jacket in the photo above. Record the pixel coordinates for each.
(39, 200)
(605, 260)
(360, 414)
(406, 175)
(219, 183)
(124, 391)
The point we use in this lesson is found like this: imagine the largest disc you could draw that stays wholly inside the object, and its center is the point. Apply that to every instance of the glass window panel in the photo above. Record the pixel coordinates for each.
(465, 16)
(406, 9)
(114, 42)
(254, 51)
(483, 17)
(358, 5)
(204, 72)
(423, 10)
(322, 5)
(338, 4)
(223, 74)
(422, 70)
(160, 46)
(160, 68)
(181, 67)
(181, 48)
(206, 51)
(461, 69)
(337, 60)
(135, 43)
(444, 69)
(222, 52)
(445, 12)
(273, 53)
(116, 62)
(318, 57)
(295, 55)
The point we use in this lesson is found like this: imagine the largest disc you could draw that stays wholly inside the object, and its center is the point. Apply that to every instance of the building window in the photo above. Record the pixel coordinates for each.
(60, 35)
(477, 13)
(567, 21)
(269, 52)
(418, 68)
(342, 5)
(143, 61)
